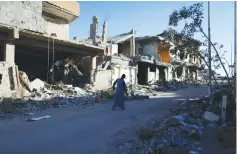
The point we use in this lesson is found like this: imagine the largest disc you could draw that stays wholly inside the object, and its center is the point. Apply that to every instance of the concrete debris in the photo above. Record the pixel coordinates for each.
(37, 95)
(180, 133)
(49, 96)
(37, 84)
(138, 90)
(171, 85)
(24, 80)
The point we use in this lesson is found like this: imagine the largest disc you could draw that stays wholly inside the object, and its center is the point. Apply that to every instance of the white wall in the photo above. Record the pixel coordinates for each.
(151, 76)
(169, 74)
(130, 72)
(113, 49)
(103, 79)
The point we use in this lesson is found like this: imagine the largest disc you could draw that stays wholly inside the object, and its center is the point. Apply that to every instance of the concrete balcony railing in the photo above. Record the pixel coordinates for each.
(67, 10)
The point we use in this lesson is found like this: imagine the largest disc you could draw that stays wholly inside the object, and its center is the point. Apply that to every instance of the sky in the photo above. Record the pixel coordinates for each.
(151, 18)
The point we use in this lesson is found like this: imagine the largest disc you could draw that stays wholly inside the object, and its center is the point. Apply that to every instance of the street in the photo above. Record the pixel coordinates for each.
(90, 130)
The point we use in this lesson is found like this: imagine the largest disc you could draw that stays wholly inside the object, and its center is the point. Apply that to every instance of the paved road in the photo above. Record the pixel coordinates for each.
(85, 131)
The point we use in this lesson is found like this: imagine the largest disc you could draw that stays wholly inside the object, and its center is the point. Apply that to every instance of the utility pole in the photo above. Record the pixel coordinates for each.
(235, 46)
(231, 63)
(209, 49)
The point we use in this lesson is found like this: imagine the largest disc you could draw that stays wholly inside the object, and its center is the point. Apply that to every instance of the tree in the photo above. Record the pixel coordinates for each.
(193, 17)
(180, 41)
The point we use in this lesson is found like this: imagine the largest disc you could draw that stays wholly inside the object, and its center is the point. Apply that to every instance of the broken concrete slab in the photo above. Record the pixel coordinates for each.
(37, 84)
(25, 82)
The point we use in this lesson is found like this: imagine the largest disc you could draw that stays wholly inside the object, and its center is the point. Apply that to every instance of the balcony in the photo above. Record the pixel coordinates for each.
(68, 10)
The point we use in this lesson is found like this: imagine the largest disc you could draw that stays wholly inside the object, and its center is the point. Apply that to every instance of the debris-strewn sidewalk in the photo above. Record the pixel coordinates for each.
(41, 96)
(185, 132)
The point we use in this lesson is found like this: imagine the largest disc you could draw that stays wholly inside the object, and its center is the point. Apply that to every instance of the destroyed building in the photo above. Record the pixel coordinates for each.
(153, 60)
(154, 56)
(34, 35)
(117, 56)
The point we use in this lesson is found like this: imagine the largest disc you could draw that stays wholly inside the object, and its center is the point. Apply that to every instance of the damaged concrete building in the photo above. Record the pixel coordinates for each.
(154, 57)
(192, 66)
(117, 56)
(34, 35)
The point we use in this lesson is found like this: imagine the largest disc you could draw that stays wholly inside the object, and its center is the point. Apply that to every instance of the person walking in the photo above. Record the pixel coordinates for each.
(119, 93)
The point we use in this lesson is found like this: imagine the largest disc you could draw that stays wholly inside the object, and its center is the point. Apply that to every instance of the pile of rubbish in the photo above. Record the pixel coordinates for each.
(37, 95)
(182, 131)
(173, 85)
(139, 90)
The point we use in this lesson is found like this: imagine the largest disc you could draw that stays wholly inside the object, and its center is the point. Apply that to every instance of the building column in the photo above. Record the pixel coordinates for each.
(196, 74)
(93, 70)
(188, 73)
(167, 73)
(157, 74)
(136, 75)
(9, 53)
(132, 44)
(175, 73)
(148, 73)
(183, 73)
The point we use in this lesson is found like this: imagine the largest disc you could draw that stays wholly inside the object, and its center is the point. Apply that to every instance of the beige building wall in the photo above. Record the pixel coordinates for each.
(62, 30)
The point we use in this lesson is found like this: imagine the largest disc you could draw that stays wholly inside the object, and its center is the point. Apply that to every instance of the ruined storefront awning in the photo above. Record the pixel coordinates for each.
(41, 41)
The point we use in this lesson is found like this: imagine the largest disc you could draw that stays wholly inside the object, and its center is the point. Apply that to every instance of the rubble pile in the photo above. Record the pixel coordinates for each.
(183, 131)
(37, 95)
(173, 85)
(50, 97)
(138, 90)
